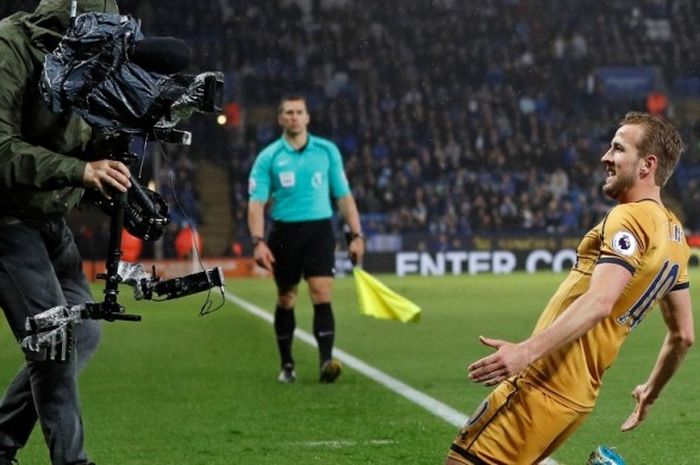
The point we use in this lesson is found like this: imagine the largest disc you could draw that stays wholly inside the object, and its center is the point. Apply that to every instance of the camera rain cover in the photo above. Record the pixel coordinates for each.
(90, 72)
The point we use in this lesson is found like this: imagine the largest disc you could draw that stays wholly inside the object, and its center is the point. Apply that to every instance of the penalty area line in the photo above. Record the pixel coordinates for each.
(434, 406)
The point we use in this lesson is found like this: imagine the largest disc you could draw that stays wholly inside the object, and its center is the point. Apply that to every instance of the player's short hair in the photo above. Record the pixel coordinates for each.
(289, 98)
(660, 138)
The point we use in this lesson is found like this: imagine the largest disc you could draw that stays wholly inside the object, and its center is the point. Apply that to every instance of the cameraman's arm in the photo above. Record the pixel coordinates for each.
(22, 163)
(25, 164)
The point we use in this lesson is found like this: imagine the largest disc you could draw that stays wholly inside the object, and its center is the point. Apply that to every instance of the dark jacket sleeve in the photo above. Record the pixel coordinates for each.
(21, 162)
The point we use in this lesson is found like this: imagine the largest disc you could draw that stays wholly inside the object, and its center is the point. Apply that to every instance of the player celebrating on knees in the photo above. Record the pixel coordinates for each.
(636, 257)
(301, 172)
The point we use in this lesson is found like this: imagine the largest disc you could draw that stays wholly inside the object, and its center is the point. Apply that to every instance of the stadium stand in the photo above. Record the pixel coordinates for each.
(453, 121)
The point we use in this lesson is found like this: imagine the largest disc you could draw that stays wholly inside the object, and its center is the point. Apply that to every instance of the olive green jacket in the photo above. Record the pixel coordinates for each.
(40, 167)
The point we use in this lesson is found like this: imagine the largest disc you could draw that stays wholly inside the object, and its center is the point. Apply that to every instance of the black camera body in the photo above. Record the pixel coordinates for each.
(146, 214)
(128, 89)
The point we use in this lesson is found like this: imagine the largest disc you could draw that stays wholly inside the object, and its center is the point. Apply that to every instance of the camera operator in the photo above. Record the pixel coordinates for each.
(42, 177)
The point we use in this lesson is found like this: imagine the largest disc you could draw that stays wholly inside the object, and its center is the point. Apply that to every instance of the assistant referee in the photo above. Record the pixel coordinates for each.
(300, 173)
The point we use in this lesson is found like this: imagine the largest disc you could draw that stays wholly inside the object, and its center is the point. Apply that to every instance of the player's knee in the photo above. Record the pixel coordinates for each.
(320, 290)
(286, 298)
(320, 296)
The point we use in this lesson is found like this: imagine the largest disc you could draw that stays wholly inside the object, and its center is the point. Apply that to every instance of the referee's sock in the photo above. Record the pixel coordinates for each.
(324, 330)
(284, 330)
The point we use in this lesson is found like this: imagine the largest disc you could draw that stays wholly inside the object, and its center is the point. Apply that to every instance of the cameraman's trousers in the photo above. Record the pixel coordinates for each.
(40, 268)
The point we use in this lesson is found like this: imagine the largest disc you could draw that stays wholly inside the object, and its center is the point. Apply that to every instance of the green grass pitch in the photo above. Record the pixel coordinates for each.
(180, 389)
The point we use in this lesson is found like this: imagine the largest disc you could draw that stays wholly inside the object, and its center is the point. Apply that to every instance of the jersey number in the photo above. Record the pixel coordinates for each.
(663, 282)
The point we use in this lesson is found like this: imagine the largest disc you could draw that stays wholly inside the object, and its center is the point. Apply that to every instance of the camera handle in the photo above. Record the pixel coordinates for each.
(109, 309)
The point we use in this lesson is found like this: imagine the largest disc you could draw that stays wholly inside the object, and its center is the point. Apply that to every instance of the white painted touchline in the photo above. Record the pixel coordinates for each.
(337, 444)
(433, 406)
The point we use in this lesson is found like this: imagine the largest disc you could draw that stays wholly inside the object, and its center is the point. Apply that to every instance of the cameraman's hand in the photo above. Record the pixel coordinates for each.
(103, 174)
(263, 256)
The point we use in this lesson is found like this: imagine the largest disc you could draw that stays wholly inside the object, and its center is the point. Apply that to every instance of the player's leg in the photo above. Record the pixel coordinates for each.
(284, 245)
(285, 324)
(319, 269)
(563, 436)
(451, 461)
(516, 424)
(320, 289)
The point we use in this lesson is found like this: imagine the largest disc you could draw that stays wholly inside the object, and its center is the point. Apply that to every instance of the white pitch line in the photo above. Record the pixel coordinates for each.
(433, 406)
(337, 444)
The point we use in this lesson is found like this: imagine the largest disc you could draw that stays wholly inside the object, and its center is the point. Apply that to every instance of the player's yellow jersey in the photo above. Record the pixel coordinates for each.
(646, 239)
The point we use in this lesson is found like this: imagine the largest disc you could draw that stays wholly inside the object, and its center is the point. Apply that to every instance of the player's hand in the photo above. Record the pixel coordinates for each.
(356, 250)
(263, 256)
(508, 360)
(644, 403)
(105, 175)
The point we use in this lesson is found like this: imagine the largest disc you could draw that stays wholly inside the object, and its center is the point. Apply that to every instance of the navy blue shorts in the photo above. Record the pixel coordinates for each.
(303, 248)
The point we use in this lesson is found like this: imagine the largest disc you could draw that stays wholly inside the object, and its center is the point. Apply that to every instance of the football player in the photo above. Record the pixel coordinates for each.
(634, 258)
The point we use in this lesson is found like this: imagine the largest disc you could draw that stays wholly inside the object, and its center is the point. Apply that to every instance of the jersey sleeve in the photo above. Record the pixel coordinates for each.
(624, 240)
(683, 281)
(338, 181)
(259, 180)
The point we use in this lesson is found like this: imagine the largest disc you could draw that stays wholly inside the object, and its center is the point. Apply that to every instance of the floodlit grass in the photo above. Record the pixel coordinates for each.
(177, 388)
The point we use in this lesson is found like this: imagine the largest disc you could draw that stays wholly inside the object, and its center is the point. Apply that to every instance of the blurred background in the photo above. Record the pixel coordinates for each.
(460, 123)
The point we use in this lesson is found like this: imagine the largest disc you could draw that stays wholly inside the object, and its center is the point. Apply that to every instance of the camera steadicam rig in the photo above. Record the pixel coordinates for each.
(128, 99)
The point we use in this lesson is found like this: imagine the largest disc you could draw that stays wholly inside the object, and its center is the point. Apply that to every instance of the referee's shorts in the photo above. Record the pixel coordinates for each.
(302, 248)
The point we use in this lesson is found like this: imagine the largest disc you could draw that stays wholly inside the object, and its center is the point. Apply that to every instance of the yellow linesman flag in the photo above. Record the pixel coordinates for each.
(379, 301)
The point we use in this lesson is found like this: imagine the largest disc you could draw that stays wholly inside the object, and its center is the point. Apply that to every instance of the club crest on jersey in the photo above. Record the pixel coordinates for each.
(624, 243)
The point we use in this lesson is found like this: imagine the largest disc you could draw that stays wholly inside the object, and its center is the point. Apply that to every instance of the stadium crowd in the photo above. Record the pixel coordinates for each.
(452, 120)
(465, 120)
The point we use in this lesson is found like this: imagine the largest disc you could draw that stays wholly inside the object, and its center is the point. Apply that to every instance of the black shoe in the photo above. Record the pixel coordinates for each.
(330, 370)
(286, 376)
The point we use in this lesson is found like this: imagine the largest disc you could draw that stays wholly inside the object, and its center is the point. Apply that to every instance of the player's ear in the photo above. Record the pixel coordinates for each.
(648, 163)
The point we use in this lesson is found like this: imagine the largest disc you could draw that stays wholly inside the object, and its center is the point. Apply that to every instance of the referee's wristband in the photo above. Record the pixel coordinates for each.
(354, 236)
(257, 240)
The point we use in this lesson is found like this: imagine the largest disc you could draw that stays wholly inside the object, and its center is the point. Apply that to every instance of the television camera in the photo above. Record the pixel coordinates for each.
(130, 90)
